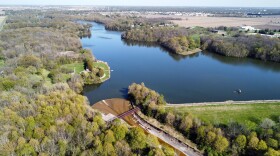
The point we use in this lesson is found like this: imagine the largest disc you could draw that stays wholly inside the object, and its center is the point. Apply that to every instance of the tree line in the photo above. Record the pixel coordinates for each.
(254, 46)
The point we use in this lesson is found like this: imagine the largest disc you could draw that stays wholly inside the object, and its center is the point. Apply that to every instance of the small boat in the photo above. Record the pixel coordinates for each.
(238, 91)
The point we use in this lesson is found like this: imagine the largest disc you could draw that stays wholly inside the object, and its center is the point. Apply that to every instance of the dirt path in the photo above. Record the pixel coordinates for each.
(222, 103)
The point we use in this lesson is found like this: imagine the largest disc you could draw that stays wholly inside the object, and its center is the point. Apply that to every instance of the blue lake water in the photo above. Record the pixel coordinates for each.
(203, 77)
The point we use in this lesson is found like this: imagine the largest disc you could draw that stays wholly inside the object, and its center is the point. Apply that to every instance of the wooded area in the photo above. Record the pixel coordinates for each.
(42, 112)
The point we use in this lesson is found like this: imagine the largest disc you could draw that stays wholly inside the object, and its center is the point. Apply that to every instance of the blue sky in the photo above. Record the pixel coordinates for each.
(232, 3)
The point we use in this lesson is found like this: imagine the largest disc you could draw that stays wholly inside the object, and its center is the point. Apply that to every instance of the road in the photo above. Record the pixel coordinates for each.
(166, 137)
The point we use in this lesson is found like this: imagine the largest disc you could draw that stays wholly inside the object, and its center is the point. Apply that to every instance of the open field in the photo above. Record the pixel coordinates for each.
(79, 67)
(204, 21)
(222, 114)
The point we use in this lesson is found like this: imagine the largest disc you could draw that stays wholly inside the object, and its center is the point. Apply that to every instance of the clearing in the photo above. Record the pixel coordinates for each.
(79, 67)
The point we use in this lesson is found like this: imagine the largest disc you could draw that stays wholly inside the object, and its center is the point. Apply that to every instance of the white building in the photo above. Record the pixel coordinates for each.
(248, 28)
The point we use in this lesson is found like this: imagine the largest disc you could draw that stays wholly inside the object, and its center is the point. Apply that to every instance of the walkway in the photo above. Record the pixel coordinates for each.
(166, 137)
(123, 115)
(223, 103)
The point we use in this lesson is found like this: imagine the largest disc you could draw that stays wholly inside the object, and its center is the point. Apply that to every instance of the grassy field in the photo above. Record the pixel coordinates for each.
(223, 114)
(106, 69)
(79, 67)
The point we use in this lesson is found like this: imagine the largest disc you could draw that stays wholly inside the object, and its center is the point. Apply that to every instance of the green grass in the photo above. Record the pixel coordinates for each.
(2, 63)
(223, 114)
(105, 68)
(79, 67)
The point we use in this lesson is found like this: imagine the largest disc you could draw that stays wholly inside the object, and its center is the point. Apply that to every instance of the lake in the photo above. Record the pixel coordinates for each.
(203, 77)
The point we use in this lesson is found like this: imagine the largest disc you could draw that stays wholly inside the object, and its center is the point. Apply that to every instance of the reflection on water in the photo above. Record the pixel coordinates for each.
(200, 77)
(105, 37)
(176, 57)
(266, 66)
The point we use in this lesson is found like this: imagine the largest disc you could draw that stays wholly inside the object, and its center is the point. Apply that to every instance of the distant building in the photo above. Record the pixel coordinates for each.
(248, 28)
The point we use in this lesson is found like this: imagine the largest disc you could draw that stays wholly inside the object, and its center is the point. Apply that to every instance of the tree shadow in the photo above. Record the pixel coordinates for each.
(275, 118)
(124, 92)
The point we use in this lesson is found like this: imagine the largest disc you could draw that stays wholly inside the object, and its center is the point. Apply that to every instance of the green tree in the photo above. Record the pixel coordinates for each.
(62, 147)
(155, 152)
(211, 137)
(152, 141)
(253, 142)
(120, 131)
(187, 123)
(109, 137)
(168, 151)
(108, 149)
(30, 127)
(100, 72)
(170, 118)
(221, 144)
(272, 143)
(240, 142)
(262, 145)
(137, 138)
(272, 152)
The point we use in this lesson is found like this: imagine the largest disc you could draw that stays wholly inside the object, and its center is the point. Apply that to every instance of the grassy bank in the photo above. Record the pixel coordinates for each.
(106, 69)
(223, 114)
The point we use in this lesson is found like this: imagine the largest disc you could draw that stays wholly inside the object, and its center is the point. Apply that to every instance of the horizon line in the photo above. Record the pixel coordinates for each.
(136, 5)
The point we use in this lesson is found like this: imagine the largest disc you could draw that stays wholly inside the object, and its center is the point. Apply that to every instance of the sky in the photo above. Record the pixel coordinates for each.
(229, 3)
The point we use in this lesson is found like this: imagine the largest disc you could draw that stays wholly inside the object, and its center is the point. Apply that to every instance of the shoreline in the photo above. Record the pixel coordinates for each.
(230, 102)
(194, 51)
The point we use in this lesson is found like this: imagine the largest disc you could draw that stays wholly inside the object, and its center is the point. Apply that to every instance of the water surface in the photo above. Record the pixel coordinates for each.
(203, 77)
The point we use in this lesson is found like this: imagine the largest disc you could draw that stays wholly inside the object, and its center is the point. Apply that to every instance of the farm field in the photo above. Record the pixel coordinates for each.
(203, 21)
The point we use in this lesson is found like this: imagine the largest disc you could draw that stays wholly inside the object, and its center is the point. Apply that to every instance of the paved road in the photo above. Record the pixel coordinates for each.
(166, 137)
